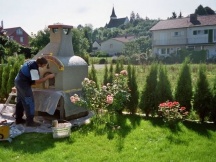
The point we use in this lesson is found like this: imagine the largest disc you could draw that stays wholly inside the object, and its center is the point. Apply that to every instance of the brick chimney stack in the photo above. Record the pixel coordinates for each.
(193, 17)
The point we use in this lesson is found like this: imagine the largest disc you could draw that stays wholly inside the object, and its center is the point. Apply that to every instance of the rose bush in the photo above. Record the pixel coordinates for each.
(109, 98)
(172, 112)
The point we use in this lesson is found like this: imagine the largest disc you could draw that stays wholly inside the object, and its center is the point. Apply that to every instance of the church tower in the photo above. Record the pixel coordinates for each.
(113, 15)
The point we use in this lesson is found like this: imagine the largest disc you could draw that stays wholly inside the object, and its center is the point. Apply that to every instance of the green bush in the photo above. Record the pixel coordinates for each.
(202, 95)
(148, 103)
(183, 92)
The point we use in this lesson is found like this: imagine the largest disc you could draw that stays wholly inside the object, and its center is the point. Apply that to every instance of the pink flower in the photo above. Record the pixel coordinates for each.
(72, 98)
(182, 108)
(124, 72)
(109, 99)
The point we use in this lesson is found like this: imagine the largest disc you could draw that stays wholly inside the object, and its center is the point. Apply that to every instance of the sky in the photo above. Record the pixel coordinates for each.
(36, 15)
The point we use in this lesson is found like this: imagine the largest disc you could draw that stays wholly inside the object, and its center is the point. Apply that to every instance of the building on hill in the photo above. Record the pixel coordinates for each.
(116, 22)
(115, 46)
(17, 34)
(193, 32)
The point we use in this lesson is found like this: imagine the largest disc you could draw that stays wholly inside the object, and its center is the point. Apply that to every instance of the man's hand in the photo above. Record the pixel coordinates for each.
(50, 76)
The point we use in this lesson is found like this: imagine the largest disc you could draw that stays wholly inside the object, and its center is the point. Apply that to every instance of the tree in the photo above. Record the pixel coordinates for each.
(138, 16)
(93, 75)
(213, 103)
(164, 92)
(202, 95)
(183, 92)
(180, 15)
(41, 39)
(2, 53)
(132, 17)
(132, 104)
(131, 48)
(148, 103)
(80, 43)
(105, 78)
(110, 75)
(209, 11)
(174, 16)
(200, 10)
(88, 35)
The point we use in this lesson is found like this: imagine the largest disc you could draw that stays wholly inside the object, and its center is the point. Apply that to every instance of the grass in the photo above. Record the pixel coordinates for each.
(138, 139)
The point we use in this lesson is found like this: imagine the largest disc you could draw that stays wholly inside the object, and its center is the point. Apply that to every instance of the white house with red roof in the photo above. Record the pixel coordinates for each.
(114, 46)
(193, 32)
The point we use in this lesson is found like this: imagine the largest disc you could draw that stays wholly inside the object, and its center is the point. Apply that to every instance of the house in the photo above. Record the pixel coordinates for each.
(193, 32)
(17, 34)
(96, 46)
(114, 46)
(116, 22)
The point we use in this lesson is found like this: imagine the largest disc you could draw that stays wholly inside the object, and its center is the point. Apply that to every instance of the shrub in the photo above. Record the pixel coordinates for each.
(148, 102)
(202, 95)
(132, 104)
(183, 92)
(213, 103)
(172, 112)
(110, 98)
(164, 91)
(103, 61)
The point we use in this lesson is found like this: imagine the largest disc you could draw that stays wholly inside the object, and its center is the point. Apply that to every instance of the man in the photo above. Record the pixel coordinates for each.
(28, 75)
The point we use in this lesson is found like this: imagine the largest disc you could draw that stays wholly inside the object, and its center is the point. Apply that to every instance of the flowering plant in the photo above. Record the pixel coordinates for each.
(110, 97)
(172, 112)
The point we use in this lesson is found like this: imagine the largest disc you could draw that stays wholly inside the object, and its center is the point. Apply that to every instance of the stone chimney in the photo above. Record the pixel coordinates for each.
(193, 17)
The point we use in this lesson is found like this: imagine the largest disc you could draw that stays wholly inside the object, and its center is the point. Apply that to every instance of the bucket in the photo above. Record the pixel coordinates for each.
(62, 130)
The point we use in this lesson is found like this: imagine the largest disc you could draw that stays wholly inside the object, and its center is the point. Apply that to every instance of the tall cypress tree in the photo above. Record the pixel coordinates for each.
(202, 95)
(148, 102)
(93, 76)
(5, 77)
(164, 91)
(117, 69)
(213, 102)
(110, 77)
(105, 78)
(132, 84)
(183, 92)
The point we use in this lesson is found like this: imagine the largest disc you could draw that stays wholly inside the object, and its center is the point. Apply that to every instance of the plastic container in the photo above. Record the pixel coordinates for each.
(62, 130)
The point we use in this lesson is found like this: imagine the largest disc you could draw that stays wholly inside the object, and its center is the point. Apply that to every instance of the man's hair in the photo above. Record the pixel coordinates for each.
(41, 61)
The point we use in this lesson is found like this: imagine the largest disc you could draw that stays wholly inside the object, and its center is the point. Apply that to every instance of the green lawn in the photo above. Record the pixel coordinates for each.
(137, 139)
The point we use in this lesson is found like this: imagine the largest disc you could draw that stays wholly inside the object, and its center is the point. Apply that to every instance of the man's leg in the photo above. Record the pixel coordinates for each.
(19, 111)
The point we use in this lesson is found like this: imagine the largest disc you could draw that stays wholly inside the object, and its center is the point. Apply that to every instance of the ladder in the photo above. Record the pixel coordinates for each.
(7, 103)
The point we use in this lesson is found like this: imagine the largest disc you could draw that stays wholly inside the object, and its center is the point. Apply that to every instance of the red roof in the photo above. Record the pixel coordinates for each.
(124, 39)
(208, 20)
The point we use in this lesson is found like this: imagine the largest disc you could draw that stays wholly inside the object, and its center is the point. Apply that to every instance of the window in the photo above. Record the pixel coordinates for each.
(163, 51)
(19, 31)
(205, 31)
(214, 35)
(194, 32)
(176, 34)
(21, 39)
(200, 32)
